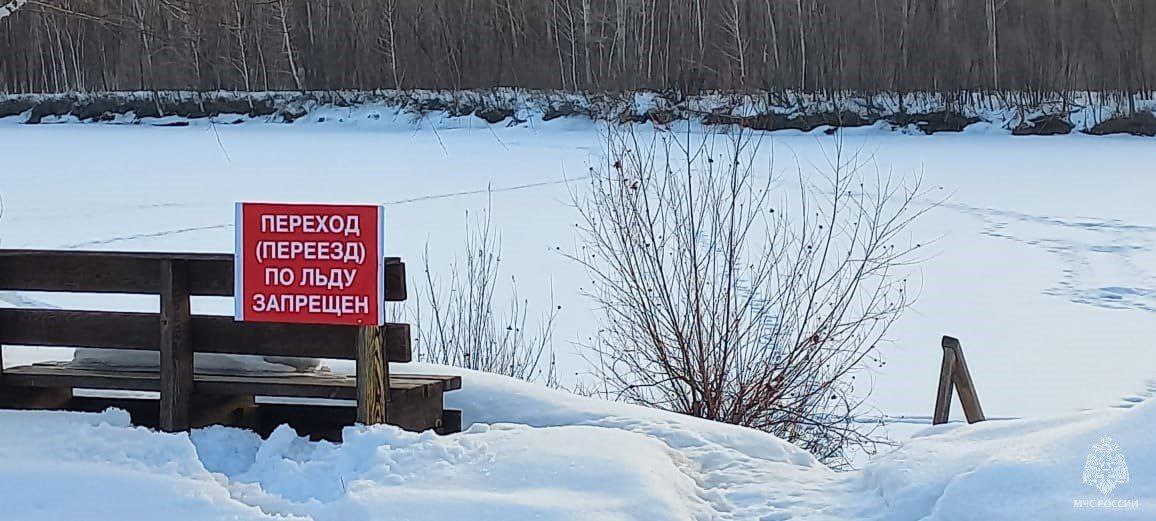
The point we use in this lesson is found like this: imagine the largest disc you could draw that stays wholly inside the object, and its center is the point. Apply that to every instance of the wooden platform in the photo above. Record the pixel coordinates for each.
(257, 401)
(301, 385)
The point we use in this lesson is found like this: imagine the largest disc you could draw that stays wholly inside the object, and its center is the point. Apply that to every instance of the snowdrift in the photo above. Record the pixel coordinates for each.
(535, 453)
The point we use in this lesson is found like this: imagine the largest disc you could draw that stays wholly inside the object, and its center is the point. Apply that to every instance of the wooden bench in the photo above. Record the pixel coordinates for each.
(189, 398)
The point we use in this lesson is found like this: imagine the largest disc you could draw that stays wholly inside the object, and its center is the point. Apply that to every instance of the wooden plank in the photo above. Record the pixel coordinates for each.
(59, 272)
(210, 274)
(90, 255)
(110, 272)
(12, 397)
(430, 384)
(215, 334)
(1, 354)
(333, 388)
(943, 395)
(394, 280)
(398, 347)
(51, 375)
(176, 361)
(416, 409)
(219, 334)
(448, 382)
(206, 410)
(372, 376)
(451, 422)
(55, 327)
(319, 422)
(303, 385)
(329, 420)
(297, 385)
(210, 334)
(142, 411)
(60, 376)
(963, 383)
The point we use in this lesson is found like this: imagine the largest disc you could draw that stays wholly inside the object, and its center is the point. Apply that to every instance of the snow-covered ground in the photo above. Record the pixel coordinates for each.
(534, 453)
(1041, 261)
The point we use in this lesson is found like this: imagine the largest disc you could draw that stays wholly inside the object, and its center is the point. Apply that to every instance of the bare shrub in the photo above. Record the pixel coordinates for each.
(457, 322)
(728, 296)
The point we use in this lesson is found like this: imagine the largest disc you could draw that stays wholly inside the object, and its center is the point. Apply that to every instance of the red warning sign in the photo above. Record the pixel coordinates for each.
(310, 263)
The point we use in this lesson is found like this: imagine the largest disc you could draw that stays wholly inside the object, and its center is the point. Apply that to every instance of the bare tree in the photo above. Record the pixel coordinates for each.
(389, 40)
(992, 10)
(733, 26)
(239, 32)
(293, 69)
(845, 48)
(459, 324)
(720, 300)
(802, 45)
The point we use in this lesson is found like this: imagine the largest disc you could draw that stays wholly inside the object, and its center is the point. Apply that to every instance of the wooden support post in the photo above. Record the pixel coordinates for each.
(954, 373)
(176, 347)
(372, 376)
(1, 363)
(943, 397)
(963, 383)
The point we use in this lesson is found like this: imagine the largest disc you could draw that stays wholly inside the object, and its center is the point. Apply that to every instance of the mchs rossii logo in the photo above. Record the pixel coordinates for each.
(1105, 469)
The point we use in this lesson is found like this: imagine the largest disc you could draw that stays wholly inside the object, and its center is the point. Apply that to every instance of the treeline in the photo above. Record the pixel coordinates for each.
(686, 45)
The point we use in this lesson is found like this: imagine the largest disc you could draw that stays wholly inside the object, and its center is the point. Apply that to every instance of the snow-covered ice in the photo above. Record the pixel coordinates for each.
(1040, 260)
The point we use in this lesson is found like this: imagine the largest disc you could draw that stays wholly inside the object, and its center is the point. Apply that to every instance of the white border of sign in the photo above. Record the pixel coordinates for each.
(238, 264)
(381, 265)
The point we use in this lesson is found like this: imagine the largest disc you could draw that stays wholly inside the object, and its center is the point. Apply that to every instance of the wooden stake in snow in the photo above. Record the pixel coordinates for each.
(11, 7)
(954, 374)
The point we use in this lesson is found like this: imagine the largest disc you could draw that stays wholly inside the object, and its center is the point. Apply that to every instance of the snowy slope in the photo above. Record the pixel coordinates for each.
(542, 454)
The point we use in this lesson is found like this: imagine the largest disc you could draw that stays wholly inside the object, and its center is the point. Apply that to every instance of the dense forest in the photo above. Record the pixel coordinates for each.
(687, 45)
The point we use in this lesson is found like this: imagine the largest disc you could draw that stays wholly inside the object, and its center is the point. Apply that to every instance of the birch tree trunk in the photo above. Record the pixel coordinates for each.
(802, 46)
(289, 46)
(240, 28)
(993, 42)
(390, 8)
